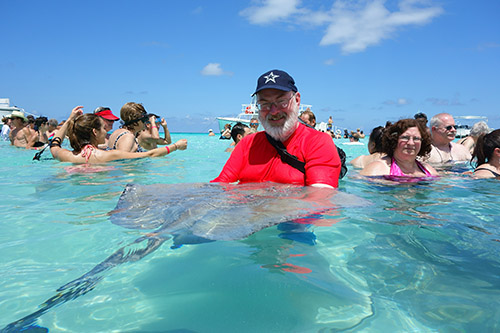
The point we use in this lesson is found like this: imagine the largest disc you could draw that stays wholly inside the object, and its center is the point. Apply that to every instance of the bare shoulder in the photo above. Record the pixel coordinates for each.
(484, 171)
(377, 168)
(430, 168)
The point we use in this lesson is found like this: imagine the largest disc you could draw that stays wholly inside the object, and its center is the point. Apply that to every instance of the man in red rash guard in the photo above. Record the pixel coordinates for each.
(254, 159)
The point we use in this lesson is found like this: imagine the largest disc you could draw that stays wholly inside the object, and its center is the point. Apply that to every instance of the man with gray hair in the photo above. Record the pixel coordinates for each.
(477, 129)
(286, 151)
(443, 131)
(52, 127)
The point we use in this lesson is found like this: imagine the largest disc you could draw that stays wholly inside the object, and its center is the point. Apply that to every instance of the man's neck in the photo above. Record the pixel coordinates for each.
(444, 146)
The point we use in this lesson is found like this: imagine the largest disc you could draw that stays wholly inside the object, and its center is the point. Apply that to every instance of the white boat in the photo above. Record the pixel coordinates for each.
(465, 123)
(247, 113)
(6, 109)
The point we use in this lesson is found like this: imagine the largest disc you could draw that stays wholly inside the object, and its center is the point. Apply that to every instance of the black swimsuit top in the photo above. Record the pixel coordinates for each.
(493, 172)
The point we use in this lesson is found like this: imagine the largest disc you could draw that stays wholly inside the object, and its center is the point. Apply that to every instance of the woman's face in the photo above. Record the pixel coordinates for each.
(409, 143)
(101, 133)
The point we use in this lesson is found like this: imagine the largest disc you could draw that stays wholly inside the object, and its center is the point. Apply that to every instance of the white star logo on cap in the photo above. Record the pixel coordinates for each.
(271, 77)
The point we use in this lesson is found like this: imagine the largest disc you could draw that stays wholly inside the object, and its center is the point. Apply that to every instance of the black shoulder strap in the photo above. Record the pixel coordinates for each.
(340, 151)
(286, 157)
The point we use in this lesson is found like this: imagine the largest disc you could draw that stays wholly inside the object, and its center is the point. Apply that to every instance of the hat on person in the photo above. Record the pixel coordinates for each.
(18, 114)
(105, 113)
(210, 130)
(275, 79)
(420, 115)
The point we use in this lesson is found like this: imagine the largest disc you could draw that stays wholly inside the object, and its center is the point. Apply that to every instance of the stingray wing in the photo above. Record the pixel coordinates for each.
(221, 211)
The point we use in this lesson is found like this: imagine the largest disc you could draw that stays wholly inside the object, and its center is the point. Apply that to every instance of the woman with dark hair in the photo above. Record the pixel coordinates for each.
(134, 118)
(402, 142)
(374, 148)
(86, 132)
(487, 153)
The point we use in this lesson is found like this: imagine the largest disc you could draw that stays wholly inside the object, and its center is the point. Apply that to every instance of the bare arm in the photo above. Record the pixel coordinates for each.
(166, 139)
(376, 168)
(113, 155)
(57, 152)
(155, 134)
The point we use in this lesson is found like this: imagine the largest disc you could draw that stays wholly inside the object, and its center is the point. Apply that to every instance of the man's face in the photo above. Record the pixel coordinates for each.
(17, 122)
(446, 130)
(241, 136)
(278, 112)
(108, 124)
(254, 123)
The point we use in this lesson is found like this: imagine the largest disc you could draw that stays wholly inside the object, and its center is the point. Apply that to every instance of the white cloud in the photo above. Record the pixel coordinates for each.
(398, 102)
(270, 10)
(329, 62)
(354, 25)
(214, 69)
(198, 10)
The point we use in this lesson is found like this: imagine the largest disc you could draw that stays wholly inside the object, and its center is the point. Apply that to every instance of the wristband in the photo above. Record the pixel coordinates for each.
(56, 142)
(176, 148)
(168, 149)
(154, 126)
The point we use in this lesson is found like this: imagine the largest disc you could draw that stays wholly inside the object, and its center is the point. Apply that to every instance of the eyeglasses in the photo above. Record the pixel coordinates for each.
(448, 128)
(406, 138)
(281, 104)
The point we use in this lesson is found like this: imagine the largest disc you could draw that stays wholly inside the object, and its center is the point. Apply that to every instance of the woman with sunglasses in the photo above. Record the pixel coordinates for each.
(134, 117)
(149, 137)
(402, 143)
(487, 153)
(86, 132)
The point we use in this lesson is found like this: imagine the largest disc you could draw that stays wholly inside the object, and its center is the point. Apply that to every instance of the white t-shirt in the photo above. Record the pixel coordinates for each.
(5, 132)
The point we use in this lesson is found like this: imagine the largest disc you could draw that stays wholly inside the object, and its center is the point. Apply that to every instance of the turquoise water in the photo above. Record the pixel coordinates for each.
(420, 257)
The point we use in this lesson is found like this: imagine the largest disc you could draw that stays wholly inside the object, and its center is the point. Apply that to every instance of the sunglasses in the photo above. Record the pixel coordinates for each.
(448, 128)
(254, 124)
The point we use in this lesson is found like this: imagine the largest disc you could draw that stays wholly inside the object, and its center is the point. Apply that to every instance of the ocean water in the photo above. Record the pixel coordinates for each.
(410, 258)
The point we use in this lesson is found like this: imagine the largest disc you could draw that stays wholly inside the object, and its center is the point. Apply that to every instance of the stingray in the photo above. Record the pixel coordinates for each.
(192, 214)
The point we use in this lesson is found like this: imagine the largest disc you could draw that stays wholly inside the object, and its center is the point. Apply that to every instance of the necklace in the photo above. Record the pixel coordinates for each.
(441, 156)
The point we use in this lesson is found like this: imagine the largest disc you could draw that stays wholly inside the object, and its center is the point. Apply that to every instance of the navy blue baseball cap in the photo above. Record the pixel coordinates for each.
(275, 79)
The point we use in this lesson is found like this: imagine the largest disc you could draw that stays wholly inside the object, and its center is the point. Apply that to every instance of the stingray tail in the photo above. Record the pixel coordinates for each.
(87, 282)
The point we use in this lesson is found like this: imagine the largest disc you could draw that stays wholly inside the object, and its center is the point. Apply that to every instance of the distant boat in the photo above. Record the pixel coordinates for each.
(465, 123)
(6, 109)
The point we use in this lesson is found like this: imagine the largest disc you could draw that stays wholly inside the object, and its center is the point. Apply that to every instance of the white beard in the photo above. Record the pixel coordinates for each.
(282, 133)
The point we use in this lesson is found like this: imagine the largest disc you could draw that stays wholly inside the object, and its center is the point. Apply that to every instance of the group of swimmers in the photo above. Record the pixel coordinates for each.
(407, 148)
(88, 135)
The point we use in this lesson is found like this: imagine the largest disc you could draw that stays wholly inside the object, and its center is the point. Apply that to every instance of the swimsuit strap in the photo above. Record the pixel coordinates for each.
(118, 138)
(87, 151)
(484, 169)
(139, 148)
(396, 170)
(421, 166)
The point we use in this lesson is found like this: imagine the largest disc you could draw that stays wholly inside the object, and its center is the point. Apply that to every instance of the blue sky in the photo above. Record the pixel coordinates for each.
(361, 62)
